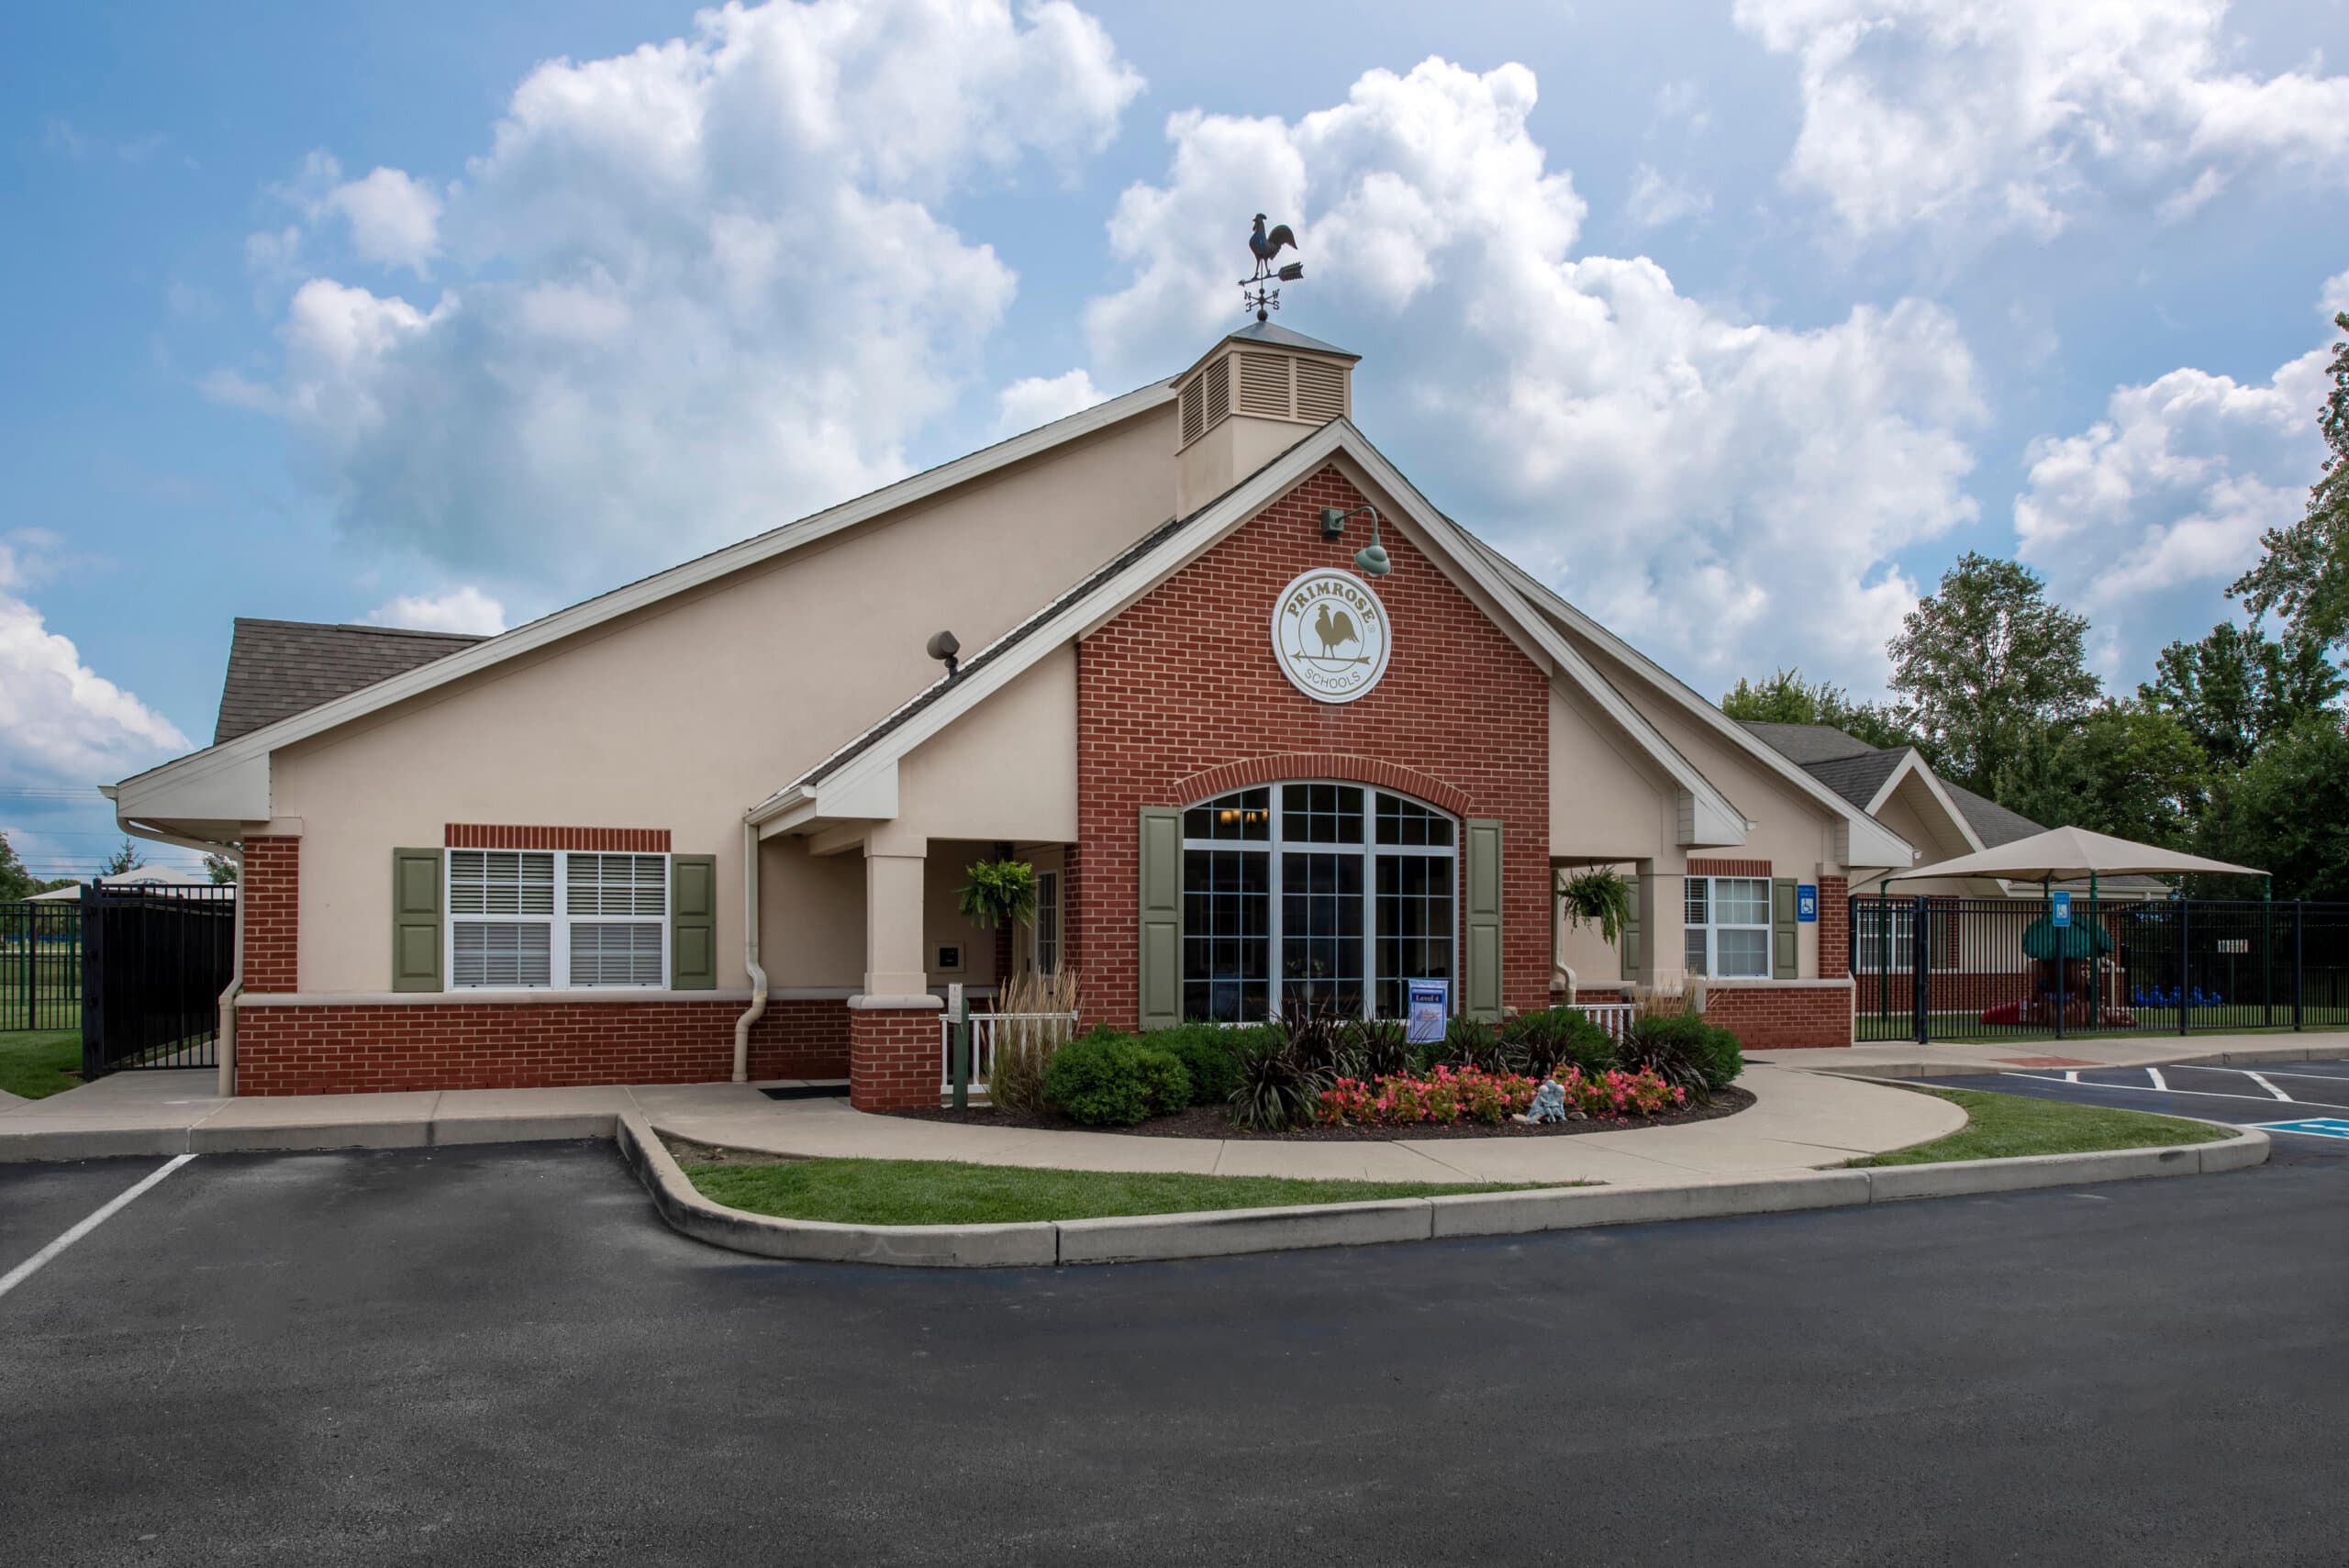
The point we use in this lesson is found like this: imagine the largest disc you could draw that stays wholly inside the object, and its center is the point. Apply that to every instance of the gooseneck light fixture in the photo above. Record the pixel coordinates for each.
(1371, 558)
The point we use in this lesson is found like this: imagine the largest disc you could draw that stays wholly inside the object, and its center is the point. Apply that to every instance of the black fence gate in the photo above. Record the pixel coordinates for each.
(154, 961)
(1941, 968)
(40, 965)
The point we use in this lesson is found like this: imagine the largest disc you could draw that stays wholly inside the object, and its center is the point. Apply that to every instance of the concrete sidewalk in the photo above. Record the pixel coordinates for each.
(1905, 1059)
(1800, 1122)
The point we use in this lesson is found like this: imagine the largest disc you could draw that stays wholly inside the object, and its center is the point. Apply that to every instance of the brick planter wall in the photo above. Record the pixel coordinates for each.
(894, 1059)
(1782, 1016)
(1180, 697)
(270, 883)
(334, 1049)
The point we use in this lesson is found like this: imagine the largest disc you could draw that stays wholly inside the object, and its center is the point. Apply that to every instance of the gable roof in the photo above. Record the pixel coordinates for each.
(280, 668)
(237, 766)
(859, 779)
(1861, 778)
(1992, 823)
(1275, 334)
(1804, 744)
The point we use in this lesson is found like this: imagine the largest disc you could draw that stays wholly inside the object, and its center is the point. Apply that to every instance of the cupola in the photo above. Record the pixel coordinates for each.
(1252, 397)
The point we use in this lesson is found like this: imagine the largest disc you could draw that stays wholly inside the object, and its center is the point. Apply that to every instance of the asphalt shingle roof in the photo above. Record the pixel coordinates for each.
(1804, 744)
(1857, 778)
(280, 668)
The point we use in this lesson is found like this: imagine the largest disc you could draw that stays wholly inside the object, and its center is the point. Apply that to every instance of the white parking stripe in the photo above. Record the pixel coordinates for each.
(2265, 1085)
(2182, 1094)
(2155, 1075)
(32, 1265)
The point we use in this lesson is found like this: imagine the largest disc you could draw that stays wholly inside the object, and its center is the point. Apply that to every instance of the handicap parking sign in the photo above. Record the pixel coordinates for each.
(1806, 904)
(2063, 910)
(2313, 1126)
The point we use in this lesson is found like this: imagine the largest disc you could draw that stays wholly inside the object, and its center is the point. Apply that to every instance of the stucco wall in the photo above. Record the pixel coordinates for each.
(1004, 771)
(682, 715)
(1606, 799)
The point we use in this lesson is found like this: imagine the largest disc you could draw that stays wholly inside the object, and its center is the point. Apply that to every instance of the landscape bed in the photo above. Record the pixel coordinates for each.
(1213, 1121)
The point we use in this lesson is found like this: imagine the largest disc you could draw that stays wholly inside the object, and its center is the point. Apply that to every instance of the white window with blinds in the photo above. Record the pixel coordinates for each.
(524, 919)
(1728, 927)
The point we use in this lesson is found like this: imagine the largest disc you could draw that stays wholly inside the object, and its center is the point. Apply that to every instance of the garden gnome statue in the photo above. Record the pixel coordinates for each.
(1549, 1102)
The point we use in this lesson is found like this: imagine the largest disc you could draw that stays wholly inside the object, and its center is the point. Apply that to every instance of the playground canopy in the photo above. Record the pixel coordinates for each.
(2073, 854)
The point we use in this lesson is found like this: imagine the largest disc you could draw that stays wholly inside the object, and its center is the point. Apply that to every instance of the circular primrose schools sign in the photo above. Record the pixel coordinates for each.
(1331, 635)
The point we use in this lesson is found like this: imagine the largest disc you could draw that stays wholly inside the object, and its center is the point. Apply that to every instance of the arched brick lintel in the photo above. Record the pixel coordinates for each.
(1250, 772)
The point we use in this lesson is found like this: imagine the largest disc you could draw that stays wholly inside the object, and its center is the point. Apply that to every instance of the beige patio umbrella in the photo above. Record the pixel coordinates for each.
(2073, 854)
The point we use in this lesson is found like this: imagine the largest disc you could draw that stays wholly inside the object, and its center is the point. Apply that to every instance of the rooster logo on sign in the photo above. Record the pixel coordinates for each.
(1334, 631)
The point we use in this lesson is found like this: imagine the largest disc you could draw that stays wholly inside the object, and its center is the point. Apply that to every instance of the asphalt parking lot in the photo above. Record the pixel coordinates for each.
(499, 1355)
(2304, 1105)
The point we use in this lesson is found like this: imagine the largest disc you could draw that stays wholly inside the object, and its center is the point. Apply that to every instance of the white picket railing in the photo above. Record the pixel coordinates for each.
(1613, 1017)
(983, 1028)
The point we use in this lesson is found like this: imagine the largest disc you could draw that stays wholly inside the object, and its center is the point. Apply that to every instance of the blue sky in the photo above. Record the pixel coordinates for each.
(1738, 322)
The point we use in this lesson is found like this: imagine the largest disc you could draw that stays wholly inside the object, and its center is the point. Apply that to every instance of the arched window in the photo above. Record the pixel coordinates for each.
(1312, 894)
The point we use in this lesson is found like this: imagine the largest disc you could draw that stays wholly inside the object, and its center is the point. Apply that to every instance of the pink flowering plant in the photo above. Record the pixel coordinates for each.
(1446, 1096)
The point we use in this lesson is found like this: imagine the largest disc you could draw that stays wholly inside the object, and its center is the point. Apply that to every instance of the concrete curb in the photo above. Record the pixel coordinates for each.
(207, 1138)
(1228, 1232)
(2249, 1056)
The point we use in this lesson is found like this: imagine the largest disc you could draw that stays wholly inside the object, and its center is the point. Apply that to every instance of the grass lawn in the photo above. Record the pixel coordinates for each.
(946, 1192)
(2001, 1127)
(35, 1065)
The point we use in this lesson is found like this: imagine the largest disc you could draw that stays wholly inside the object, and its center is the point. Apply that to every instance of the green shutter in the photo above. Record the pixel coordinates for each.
(1786, 956)
(415, 920)
(1631, 944)
(1161, 918)
(1482, 963)
(692, 922)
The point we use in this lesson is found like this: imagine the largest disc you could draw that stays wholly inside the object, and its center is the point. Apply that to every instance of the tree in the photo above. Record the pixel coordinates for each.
(2128, 770)
(2286, 812)
(2305, 572)
(1786, 698)
(15, 881)
(2235, 689)
(1984, 663)
(127, 858)
(220, 869)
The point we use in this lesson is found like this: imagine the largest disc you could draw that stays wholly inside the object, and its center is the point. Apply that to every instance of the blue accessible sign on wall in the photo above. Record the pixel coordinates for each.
(1806, 904)
(2062, 902)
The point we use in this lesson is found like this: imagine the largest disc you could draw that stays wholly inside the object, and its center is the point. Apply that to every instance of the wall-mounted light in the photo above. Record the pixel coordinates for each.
(943, 648)
(1371, 559)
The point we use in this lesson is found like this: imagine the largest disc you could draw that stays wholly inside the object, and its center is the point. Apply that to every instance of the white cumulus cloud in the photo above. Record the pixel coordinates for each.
(462, 608)
(1727, 494)
(62, 723)
(2007, 114)
(2142, 520)
(395, 220)
(687, 292)
(1038, 400)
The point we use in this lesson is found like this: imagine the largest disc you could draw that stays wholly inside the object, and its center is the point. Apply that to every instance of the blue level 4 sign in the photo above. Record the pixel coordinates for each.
(1806, 904)
(2314, 1127)
(2063, 910)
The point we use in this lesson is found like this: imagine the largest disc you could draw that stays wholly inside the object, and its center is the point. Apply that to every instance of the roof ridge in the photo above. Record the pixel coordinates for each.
(371, 630)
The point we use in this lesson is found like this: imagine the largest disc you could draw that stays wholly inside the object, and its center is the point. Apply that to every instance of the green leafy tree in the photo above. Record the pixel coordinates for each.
(15, 881)
(2236, 688)
(1786, 698)
(1985, 662)
(220, 869)
(126, 858)
(2128, 770)
(2286, 812)
(2305, 572)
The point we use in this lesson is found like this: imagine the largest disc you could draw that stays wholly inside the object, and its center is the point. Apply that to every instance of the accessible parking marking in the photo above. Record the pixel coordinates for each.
(33, 1264)
(2314, 1127)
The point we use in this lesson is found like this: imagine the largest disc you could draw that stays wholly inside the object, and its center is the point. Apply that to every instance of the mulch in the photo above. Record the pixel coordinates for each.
(1212, 1121)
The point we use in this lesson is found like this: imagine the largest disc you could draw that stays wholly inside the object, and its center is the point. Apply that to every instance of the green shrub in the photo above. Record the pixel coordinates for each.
(1377, 1048)
(1278, 1086)
(1686, 1052)
(1209, 1052)
(1539, 1043)
(1111, 1080)
(1471, 1042)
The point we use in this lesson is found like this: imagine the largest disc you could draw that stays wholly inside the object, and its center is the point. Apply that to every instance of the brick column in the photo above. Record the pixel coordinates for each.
(894, 1059)
(1835, 927)
(270, 888)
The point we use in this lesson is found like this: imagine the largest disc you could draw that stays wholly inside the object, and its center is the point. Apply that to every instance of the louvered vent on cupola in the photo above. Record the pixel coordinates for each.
(1292, 379)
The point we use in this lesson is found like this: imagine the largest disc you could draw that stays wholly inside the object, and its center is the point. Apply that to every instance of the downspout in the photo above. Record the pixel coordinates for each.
(228, 1025)
(750, 955)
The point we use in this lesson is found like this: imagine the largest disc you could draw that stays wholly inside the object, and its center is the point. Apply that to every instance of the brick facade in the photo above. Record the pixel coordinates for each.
(1728, 868)
(1835, 927)
(611, 840)
(1783, 1015)
(269, 883)
(894, 1062)
(1180, 697)
(334, 1049)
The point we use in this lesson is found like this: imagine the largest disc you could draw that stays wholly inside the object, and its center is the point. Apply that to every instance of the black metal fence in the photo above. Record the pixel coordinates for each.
(154, 961)
(1941, 968)
(40, 965)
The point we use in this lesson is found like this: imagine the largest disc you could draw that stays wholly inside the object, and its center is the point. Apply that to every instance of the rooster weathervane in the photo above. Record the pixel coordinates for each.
(1255, 291)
